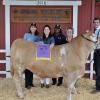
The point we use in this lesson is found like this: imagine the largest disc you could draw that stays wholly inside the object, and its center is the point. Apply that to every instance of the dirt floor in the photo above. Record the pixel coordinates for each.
(84, 87)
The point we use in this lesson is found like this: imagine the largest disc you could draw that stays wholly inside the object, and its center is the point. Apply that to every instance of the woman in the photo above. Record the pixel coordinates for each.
(33, 36)
(69, 34)
(47, 39)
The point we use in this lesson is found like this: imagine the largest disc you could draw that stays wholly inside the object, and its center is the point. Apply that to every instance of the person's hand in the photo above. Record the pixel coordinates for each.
(52, 45)
(41, 42)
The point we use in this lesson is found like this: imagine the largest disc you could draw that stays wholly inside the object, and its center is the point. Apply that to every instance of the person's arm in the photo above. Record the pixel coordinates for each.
(25, 36)
(28, 37)
(64, 39)
(41, 40)
(52, 42)
(51, 45)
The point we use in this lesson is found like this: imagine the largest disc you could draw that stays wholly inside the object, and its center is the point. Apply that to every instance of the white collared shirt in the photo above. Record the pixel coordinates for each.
(97, 32)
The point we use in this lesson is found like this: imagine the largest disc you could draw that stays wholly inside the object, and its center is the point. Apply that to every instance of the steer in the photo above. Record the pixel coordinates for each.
(67, 60)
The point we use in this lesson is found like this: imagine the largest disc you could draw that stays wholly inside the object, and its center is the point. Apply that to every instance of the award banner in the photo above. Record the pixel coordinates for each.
(43, 52)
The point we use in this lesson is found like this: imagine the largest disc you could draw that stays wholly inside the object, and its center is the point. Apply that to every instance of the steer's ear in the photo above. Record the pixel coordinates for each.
(88, 31)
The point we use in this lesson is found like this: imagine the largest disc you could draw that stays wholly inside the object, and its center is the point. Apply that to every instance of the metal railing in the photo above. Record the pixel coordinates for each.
(91, 62)
(7, 63)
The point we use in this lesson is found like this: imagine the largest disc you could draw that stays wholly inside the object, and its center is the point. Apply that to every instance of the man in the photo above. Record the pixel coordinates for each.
(59, 39)
(97, 53)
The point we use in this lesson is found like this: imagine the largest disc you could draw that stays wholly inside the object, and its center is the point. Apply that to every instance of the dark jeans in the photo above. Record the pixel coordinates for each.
(97, 68)
(28, 78)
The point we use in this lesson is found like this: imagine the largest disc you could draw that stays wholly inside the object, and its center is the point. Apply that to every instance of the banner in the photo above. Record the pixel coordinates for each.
(43, 52)
(41, 14)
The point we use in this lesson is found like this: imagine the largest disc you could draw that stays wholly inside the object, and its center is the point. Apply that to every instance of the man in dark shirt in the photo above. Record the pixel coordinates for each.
(59, 39)
(97, 53)
(58, 35)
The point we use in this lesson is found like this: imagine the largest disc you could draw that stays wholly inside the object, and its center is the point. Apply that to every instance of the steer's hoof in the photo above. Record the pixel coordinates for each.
(74, 91)
(22, 98)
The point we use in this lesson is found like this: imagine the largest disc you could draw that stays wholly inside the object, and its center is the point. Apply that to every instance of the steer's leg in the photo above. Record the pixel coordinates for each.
(18, 78)
(69, 95)
(70, 82)
(67, 82)
(73, 87)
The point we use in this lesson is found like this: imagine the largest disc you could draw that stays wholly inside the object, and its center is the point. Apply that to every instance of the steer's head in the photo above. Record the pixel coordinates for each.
(90, 38)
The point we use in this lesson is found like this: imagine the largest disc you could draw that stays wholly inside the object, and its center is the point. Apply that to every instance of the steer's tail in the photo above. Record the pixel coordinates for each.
(12, 70)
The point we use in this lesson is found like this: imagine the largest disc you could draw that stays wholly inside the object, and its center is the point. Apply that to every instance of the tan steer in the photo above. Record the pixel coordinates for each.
(67, 60)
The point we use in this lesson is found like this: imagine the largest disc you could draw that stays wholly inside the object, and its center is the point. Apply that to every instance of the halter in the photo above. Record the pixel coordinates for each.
(88, 39)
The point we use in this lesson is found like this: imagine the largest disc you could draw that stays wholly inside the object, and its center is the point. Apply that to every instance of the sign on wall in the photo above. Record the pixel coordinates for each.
(41, 15)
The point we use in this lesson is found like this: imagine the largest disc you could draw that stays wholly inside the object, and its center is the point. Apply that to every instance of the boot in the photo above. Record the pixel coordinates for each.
(54, 81)
(60, 80)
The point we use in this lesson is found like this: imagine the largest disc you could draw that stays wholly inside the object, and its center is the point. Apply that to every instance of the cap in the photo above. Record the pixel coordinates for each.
(57, 26)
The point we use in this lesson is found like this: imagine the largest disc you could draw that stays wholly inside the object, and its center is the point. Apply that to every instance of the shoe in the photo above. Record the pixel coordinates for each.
(98, 89)
(32, 85)
(95, 91)
(59, 84)
(53, 83)
(42, 85)
(28, 87)
(47, 86)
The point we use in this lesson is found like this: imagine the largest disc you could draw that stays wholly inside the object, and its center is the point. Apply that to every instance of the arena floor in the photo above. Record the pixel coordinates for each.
(84, 89)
